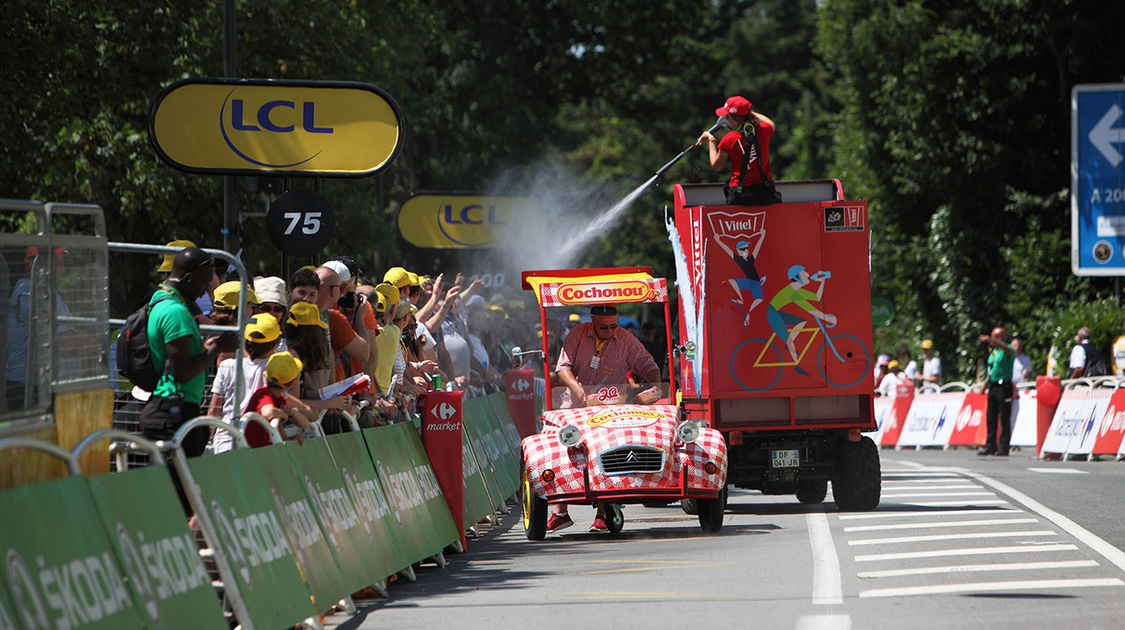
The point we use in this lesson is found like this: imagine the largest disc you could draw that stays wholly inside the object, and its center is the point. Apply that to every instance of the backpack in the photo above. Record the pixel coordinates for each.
(134, 357)
(1095, 364)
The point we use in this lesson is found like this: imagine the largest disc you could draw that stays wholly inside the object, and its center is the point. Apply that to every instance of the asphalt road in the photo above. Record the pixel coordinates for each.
(958, 541)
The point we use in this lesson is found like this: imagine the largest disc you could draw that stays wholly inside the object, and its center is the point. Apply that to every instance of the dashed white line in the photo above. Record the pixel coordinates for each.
(981, 587)
(976, 568)
(984, 493)
(987, 521)
(824, 622)
(972, 551)
(1061, 471)
(960, 536)
(957, 503)
(827, 588)
(889, 514)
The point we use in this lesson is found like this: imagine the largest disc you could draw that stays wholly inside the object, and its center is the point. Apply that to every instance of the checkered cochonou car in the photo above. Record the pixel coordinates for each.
(616, 450)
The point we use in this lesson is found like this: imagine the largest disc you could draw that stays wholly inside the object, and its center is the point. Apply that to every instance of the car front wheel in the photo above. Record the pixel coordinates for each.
(534, 509)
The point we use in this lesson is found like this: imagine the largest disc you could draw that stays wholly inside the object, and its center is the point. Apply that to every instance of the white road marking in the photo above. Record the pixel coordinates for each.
(968, 486)
(972, 551)
(900, 495)
(975, 568)
(1063, 471)
(1111, 553)
(964, 503)
(961, 536)
(981, 587)
(824, 622)
(887, 482)
(987, 521)
(893, 514)
(826, 588)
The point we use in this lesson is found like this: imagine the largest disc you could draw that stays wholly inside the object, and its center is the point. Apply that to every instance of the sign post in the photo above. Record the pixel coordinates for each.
(1097, 167)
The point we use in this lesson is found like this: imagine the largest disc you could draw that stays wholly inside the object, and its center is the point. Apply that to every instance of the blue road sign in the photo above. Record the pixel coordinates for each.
(1097, 171)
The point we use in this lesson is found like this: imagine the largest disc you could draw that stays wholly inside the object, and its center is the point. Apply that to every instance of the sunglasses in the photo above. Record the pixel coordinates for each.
(607, 327)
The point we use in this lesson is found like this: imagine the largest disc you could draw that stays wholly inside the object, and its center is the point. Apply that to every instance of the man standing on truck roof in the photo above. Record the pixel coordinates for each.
(597, 353)
(747, 148)
(787, 325)
(745, 258)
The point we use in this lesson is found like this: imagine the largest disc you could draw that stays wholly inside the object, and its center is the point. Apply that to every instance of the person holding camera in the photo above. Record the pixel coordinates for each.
(999, 389)
(747, 148)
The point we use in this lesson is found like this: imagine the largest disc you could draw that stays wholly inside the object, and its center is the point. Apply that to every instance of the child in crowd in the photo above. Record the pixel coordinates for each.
(273, 403)
(262, 336)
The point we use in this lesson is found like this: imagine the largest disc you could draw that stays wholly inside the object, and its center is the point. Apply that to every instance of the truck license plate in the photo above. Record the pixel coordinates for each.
(787, 458)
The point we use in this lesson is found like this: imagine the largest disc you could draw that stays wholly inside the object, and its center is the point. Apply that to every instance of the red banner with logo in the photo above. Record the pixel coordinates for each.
(904, 397)
(1111, 431)
(519, 392)
(970, 428)
(441, 436)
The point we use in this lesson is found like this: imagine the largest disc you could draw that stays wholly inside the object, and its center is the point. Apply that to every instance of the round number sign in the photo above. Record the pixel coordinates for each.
(300, 223)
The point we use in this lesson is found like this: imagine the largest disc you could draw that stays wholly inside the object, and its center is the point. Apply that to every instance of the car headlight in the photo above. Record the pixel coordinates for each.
(570, 435)
(688, 431)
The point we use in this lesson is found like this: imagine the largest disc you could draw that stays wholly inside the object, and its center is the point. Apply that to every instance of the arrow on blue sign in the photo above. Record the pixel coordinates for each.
(1103, 135)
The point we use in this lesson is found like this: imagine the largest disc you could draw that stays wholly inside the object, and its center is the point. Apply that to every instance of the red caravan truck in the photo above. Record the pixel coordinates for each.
(776, 340)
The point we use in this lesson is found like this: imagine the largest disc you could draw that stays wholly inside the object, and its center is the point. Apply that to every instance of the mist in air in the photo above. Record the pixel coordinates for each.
(572, 213)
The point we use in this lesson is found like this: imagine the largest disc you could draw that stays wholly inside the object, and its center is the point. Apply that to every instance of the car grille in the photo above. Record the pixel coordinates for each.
(626, 460)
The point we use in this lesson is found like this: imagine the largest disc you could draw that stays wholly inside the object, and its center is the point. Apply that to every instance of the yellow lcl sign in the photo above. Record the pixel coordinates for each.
(258, 125)
(462, 221)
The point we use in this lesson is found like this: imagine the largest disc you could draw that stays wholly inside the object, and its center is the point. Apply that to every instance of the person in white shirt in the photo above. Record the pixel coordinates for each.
(910, 366)
(1021, 367)
(931, 366)
(891, 380)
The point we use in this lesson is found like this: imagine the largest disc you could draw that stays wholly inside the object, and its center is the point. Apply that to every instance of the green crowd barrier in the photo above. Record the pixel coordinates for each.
(60, 566)
(477, 502)
(505, 463)
(418, 508)
(250, 533)
(474, 427)
(370, 498)
(158, 553)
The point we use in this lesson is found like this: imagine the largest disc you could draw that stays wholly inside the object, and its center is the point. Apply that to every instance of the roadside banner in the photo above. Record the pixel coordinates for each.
(896, 420)
(442, 439)
(1111, 433)
(1097, 401)
(251, 534)
(931, 419)
(882, 406)
(1074, 413)
(371, 501)
(346, 528)
(519, 394)
(970, 429)
(1025, 411)
(477, 501)
(476, 429)
(507, 462)
(60, 567)
(418, 509)
(156, 550)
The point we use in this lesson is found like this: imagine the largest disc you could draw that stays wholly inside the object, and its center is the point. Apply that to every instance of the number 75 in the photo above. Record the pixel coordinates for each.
(310, 225)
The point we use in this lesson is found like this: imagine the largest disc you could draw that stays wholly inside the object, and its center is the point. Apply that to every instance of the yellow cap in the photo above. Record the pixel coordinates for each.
(397, 276)
(424, 279)
(305, 314)
(381, 303)
(927, 344)
(415, 281)
(282, 368)
(262, 328)
(226, 295)
(574, 317)
(894, 365)
(389, 291)
(166, 266)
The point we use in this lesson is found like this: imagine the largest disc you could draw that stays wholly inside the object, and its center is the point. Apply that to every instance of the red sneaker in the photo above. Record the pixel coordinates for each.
(599, 525)
(558, 521)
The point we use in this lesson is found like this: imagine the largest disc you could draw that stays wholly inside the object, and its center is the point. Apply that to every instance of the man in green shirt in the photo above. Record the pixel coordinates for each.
(1000, 390)
(179, 353)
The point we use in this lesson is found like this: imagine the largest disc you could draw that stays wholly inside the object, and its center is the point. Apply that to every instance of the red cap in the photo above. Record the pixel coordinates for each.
(736, 105)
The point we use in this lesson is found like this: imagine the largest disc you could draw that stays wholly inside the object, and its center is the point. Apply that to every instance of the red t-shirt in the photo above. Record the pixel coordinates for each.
(735, 145)
(256, 436)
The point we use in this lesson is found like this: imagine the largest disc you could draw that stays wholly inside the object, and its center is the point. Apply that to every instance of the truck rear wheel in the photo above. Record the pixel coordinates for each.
(689, 506)
(857, 482)
(534, 509)
(812, 491)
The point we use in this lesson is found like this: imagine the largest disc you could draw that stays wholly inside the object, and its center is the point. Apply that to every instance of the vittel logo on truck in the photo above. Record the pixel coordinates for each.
(627, 291)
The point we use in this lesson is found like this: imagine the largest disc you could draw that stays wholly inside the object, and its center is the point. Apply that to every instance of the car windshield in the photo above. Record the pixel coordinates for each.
(602, 395)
